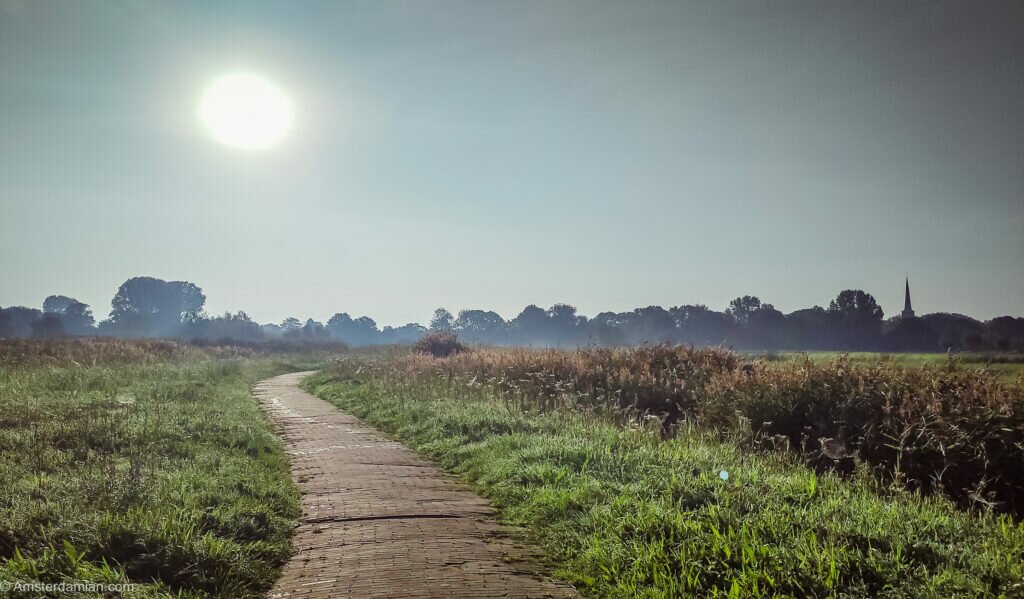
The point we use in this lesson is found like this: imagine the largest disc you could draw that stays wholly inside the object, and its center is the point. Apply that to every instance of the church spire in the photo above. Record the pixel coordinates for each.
(908, 311)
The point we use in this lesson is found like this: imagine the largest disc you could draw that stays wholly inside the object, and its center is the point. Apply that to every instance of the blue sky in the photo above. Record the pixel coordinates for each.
(494, 154)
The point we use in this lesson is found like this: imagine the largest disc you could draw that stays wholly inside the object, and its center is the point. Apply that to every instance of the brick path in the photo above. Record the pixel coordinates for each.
(379, 521)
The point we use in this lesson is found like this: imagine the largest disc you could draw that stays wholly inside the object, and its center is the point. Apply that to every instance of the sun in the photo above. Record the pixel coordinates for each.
(246, 111)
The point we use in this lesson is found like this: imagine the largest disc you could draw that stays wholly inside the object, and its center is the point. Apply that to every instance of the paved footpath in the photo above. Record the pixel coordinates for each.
(379, 521)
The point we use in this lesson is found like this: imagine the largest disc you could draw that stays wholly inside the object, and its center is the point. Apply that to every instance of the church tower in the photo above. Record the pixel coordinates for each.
(908, 312)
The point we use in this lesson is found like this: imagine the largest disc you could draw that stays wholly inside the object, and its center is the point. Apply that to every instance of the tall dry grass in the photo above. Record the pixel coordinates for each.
(91, 351)
(954, 429)
(951, 429)
(652, 380)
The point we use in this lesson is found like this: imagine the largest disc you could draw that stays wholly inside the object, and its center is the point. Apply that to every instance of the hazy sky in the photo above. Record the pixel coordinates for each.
(494, 154)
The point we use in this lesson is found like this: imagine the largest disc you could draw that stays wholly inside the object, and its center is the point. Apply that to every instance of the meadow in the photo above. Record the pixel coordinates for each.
(1009, 366)
(645, 472)
(146, 462)
(657, 472)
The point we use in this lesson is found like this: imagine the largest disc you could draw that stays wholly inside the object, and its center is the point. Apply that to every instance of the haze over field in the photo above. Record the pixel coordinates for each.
(494, 155)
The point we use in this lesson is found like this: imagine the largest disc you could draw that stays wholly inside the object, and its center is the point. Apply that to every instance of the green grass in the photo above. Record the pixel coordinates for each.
(162, 474)
(623, 514)
(1009, 366)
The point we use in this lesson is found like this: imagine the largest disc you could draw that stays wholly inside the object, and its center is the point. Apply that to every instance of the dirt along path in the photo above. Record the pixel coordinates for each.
(379, 521)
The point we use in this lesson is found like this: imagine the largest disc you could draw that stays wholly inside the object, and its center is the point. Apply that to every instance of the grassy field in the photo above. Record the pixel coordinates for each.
(143, 462)
(1010, 367)
(149, 462)
(623, 512)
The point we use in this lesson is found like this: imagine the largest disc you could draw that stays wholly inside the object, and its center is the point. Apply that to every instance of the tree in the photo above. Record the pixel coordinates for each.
(758, 325)
(741, 308)
(911, 335)
(314, 331)
(48, 327)
(148, 306)
(358, 331)
(480, 326)
(605, 329)
(652, 324)
(766, 328)
(954, 330)
(6, 330)
(77, 319)
(237, 326)
(700, 325)
(271, 330)
(809, 328)
(20, 319)
(409, 333)
(1006, 333)
(857, 319)
(567, 327)
(442, 320)
(530, 327)
(57, 304)
(855, 303)
(290, 325)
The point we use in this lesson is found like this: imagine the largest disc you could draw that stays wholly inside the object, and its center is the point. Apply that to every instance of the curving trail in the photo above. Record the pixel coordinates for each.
(379, 521)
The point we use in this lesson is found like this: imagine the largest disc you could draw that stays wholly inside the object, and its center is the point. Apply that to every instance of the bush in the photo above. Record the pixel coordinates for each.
(950, 429)
(440, 345)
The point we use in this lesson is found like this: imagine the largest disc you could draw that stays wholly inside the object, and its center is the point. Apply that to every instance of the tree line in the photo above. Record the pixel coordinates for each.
(853, 321)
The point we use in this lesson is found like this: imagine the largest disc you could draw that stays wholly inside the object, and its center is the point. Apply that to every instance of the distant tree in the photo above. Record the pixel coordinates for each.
(854, 303)
(530, 327)
(339, 325)
(605, 329)
(48, 327)
(314, 331)
(237, 327)
(766, 328)
(76, 317)
(911, 335)
(57, 304)
(147, 306)
(271, 330)
(758, 325)
(6, 330)
(955, 330)
(1006, 333)
(78, 320)
(856, 319)
(290, 325)
(409, 333)
(354, 331)
(20, 319)
(700, 325)
(367, 328)
(741, 308)
(480, 326)
(810, 329)
(442, 320)
(652, 324)
(566, 326)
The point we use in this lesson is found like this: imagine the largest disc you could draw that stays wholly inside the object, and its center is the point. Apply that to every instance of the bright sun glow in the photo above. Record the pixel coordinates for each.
(246, 111)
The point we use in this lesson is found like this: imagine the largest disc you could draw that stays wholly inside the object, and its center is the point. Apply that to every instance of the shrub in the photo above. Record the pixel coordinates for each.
(949, 429)
(440, 345)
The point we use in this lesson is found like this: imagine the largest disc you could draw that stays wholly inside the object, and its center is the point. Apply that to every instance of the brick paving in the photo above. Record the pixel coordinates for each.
(379, 521)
